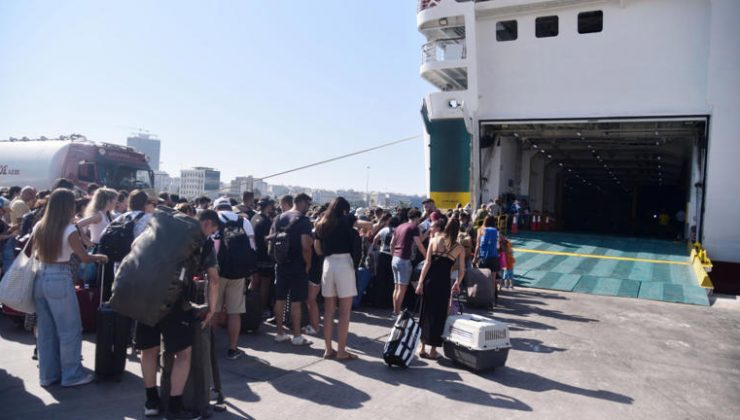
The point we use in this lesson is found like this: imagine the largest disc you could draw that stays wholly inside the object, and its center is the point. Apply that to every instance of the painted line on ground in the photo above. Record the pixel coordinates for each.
(603, 257)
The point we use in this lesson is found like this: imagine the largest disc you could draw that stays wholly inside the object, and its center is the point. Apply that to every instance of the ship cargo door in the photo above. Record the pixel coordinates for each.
(635, 177)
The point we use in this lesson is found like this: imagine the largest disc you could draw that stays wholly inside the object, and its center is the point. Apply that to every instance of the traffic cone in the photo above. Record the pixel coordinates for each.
(547, 223)
(535, 223)
(514, 225)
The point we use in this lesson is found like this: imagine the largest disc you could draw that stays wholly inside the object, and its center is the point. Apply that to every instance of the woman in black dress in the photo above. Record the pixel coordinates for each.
(443, 254)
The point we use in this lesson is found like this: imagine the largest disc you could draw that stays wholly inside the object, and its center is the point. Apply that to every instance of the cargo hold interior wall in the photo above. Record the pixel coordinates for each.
(611, 176)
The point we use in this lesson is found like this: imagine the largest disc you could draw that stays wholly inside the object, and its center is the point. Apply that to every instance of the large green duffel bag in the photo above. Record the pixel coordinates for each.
(162, 262)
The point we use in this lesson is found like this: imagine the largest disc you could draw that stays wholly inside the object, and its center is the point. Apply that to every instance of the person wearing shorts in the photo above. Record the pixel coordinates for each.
(405, 237)
(314, 287)
(262, 222)
(291, 276)
(335, 237)
(176, 330)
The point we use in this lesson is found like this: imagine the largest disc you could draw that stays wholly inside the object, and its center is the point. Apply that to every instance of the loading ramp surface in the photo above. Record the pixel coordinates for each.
(606, 265)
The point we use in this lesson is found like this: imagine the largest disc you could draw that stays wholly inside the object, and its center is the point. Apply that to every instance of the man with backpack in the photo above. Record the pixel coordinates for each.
(290, 245)
(237, 259)
(262, 223)
(137, 201)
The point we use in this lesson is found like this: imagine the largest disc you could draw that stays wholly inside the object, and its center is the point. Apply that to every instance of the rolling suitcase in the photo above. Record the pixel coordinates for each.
(113, 335)
(89, 301)
(400, 348)
(204, 376)
(479, 284)
(252, 318)
(363, 280)
(380, 292)
(477, 342)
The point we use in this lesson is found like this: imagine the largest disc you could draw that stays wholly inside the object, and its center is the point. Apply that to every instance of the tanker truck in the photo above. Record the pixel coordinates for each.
(40, 162)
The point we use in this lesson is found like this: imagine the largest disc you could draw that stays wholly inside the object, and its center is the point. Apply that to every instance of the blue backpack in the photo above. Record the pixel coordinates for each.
(489, 244)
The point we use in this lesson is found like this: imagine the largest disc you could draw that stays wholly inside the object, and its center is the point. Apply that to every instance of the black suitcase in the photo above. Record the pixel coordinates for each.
(480, 290)
(400, 348)
(112, 337)
(380, 291)
(203, 379)
(252, 318)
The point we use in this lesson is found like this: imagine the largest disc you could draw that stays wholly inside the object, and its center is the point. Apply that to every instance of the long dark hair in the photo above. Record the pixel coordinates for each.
(329, 221)
(50, 231)
(451, 231)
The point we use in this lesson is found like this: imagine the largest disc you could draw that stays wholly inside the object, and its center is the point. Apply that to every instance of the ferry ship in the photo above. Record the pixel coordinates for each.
(601, 113)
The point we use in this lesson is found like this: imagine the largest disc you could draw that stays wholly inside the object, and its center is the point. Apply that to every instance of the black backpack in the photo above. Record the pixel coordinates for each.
(278, 242)
(236, 258)
(117, 238)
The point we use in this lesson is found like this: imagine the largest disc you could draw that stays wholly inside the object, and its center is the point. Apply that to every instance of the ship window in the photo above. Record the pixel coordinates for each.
(590, 22)
(506, 30)
(546, 26)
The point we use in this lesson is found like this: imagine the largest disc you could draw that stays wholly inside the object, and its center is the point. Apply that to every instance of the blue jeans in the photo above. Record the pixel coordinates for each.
(8, 254)
(59, 326)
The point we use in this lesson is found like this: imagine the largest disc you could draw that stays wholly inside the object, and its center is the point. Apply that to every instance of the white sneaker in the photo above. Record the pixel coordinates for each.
(300, 340)
(308, 330)
(82, 381)
(281, 338)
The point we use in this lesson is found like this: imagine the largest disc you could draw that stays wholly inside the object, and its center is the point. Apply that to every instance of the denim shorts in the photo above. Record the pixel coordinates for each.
(402, 270)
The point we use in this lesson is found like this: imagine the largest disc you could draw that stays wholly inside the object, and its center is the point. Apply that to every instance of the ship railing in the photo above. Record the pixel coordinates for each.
(443, 50)
(426, 4)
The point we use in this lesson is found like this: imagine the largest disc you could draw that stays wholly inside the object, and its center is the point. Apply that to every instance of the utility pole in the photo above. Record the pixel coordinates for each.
(367, 187)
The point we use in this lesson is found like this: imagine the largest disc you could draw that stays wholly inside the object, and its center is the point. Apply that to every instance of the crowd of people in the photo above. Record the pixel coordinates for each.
(325, 244)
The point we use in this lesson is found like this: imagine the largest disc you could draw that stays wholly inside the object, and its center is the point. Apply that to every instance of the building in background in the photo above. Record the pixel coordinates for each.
(199, 181)
(241, 184)
(174, 187)
(147, 144)
(162, 181)
(260, 188)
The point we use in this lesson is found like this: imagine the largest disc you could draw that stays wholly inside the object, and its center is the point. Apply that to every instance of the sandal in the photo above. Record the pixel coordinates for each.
(423, 355)
(348, 357)
(330, 355)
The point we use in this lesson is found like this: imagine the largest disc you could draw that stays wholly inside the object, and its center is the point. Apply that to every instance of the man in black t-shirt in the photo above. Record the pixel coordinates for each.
(291, 277)
(262, 223)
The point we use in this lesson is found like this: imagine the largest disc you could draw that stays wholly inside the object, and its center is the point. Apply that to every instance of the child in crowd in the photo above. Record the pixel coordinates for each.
(507, 263)
(500, 283)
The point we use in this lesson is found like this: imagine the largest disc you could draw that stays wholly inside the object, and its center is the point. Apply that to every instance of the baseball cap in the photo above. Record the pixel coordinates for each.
(222, 202)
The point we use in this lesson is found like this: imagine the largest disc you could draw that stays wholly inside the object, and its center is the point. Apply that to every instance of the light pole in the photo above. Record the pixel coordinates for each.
(367, 186)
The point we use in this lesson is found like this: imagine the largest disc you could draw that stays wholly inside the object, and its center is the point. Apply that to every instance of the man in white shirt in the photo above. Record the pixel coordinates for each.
(232, 290)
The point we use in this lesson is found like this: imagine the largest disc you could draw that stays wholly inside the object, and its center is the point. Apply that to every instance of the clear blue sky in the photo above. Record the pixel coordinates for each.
(249, 87)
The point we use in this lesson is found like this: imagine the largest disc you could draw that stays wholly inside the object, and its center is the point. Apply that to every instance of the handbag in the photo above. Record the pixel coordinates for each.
(16, 287)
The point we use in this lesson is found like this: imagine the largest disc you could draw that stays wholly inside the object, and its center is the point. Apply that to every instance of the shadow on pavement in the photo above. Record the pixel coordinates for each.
(445, 383)
(510, 304)
(11, 330)
(14, 394)
(516, 378)
(532, 345)
(303, 384)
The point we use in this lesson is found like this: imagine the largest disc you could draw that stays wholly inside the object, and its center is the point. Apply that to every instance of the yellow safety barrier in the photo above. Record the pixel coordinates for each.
(702, 265)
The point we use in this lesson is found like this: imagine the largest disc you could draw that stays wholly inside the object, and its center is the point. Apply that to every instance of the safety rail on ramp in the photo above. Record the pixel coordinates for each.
(702, 266)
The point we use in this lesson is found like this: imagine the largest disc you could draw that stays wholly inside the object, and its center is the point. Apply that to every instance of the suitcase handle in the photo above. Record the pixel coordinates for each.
(460, 308)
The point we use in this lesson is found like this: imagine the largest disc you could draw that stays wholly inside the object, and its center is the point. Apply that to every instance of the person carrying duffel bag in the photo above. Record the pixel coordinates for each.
(152, 286)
